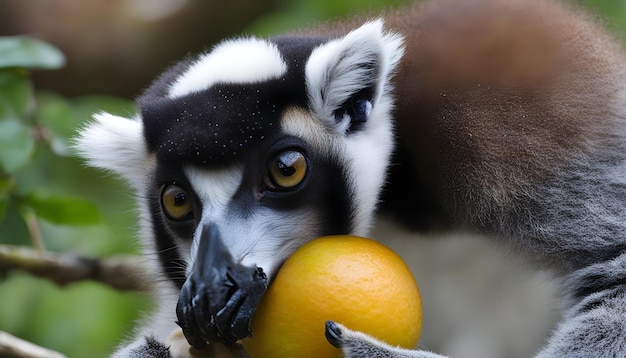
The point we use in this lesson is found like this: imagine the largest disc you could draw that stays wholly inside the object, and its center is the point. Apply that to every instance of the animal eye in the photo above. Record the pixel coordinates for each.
(176, 203)
(288, 169)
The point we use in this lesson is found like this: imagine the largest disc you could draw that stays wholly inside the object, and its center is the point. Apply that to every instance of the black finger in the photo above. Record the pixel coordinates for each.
(333, 334)
(186, 317)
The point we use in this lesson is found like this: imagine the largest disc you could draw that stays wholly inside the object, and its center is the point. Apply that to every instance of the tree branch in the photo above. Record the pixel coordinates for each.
(13, 347)
(121, 272)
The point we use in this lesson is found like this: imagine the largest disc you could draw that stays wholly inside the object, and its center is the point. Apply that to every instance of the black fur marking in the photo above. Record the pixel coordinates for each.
(323, 190)
(411, 205)
(171, 262)
(214, 126)
(165, 232)
(152, 349)
(339, 208)
(357, 109)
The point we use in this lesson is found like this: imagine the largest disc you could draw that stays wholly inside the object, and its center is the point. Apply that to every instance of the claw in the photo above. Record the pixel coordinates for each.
(333, 334)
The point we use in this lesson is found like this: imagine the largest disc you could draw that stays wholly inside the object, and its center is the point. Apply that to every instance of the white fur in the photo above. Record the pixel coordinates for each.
(267, 237)
(116, 144)
(244, 60)
(215, 190)
(334, 72)
(367, 154)
(258, 237)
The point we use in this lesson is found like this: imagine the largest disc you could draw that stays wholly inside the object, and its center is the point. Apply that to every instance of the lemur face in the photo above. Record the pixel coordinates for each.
(243, 154)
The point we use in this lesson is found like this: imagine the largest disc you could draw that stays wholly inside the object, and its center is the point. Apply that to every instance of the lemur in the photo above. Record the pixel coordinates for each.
(504, 117)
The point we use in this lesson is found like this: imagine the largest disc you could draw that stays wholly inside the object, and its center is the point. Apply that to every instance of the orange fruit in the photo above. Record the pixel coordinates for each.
(354, 281)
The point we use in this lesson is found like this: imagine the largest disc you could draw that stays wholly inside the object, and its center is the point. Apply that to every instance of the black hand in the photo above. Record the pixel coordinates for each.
(218, 299)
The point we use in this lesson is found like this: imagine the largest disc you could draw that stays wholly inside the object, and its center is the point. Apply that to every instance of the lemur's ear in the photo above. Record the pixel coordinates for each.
(346, 77)
(116, 144)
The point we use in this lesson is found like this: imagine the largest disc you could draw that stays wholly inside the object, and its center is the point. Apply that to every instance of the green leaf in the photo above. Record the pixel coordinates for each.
(4, 204)
(62, 209)
(27, 52)
(55, 113)
(5, 186)
(15, 92)
(16, 145)
(86, 106)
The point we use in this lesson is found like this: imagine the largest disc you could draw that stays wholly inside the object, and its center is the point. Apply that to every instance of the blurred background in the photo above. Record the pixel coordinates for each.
(113, 49)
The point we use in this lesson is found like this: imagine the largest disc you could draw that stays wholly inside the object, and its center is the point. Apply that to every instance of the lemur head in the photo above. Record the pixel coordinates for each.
(244, 153)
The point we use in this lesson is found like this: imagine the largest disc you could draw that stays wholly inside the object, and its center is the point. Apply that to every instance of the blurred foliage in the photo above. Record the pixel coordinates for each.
(612, 12)
(300, 14)
(45, 191)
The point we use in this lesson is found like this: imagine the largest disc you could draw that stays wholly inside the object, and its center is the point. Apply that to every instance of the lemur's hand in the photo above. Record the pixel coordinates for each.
(359, 345)
(219, 297)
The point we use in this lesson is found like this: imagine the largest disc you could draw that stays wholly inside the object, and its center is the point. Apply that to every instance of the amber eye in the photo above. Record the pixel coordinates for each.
(288, 169)
(176, 203)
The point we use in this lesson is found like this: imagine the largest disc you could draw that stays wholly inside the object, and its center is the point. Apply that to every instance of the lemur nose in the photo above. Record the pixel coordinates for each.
(219, 297)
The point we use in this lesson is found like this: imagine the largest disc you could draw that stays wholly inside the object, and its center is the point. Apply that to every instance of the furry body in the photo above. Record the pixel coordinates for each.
(509, 119)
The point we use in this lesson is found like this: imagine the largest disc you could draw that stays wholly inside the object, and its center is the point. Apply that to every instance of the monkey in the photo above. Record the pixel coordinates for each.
(505, 118)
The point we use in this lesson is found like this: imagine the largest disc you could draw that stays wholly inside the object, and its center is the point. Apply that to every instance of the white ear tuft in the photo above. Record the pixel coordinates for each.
(114, 143)
(362, 62)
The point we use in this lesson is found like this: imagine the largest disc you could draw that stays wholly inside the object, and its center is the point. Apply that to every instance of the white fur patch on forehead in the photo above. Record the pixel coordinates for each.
(243, 60)
(214, 188)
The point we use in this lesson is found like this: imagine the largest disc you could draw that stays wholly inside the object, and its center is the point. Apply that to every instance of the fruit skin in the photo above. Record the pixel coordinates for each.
(355, 281)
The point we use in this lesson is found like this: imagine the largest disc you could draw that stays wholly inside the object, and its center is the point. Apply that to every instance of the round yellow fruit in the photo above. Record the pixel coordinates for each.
(354, 281)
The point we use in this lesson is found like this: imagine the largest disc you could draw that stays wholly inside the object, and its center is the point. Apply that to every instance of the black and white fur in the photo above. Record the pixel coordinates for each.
(504, 117)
